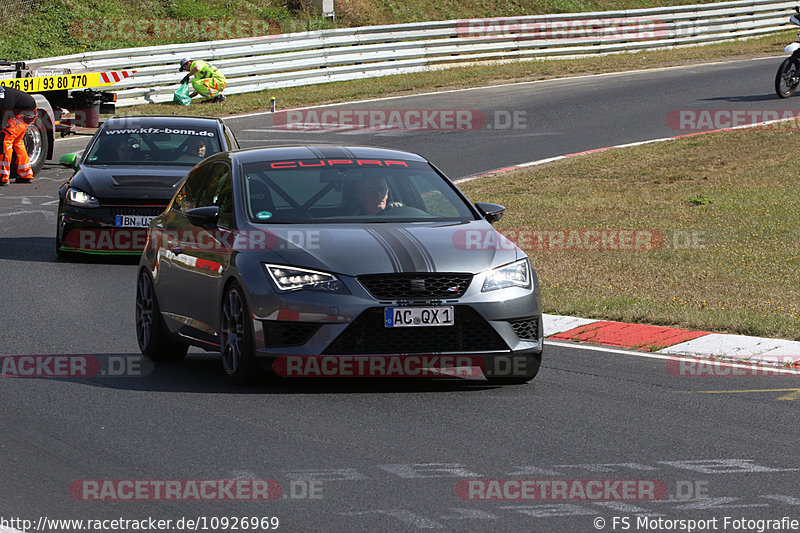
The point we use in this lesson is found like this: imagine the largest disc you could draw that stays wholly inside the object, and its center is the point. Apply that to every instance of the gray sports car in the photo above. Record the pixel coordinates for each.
(336, 261)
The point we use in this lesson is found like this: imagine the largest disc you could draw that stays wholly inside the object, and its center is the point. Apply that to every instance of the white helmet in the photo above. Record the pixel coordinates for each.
(185, 61)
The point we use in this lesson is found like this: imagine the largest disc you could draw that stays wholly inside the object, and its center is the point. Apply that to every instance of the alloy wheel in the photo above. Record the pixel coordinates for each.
(233, 331)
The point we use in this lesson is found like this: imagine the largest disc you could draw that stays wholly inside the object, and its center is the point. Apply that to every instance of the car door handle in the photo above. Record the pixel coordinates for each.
(177, 250)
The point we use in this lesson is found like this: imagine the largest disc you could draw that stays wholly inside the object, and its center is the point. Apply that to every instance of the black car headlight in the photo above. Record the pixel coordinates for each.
(516, 274)
(79, 198)
(288, 279)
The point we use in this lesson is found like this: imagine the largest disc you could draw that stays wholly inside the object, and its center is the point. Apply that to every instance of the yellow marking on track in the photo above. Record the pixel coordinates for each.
(794, 394)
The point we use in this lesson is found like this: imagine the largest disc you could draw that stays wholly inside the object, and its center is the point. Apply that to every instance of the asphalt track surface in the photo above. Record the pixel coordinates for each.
(381, 455)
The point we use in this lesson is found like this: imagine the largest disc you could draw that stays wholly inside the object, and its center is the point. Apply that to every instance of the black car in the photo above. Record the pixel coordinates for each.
(127, 175)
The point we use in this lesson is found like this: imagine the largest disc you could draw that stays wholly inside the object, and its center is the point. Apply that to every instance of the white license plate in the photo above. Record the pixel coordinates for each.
(396, 317)
(132, 221)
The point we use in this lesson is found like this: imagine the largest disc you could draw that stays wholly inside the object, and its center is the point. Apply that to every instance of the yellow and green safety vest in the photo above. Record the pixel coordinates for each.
(204, 70)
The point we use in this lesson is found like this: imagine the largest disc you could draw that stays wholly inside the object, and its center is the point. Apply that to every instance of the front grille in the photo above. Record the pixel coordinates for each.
(526, 329)
(134, 202)
(367, 335)
(281, 333)
(411, 286)
(137, 211)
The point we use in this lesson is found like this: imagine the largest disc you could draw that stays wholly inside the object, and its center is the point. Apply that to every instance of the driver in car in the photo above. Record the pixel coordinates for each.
(196, 146)
(125, 150)
(372, 195)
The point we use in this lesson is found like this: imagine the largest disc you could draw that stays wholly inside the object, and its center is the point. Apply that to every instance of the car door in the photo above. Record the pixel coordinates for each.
(203, 255)
(166, 234)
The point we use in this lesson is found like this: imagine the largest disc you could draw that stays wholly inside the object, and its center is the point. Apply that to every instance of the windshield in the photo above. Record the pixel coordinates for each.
(343, 190)
(152, 146)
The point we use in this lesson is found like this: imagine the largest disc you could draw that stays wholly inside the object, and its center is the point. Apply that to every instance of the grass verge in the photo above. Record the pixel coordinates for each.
(472, 76)
(729, 263)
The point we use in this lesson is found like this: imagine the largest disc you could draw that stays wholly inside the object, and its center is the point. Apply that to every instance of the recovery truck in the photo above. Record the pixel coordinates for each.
(68, 102)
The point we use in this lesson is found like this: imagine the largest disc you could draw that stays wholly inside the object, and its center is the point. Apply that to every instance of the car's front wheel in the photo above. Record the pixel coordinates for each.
(154, 341)
(236, 338)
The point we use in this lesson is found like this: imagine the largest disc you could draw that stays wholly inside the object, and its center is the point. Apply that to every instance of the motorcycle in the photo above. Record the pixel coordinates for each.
(788, 77)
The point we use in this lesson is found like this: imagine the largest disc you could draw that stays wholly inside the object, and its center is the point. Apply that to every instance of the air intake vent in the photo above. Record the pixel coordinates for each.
(411, 286)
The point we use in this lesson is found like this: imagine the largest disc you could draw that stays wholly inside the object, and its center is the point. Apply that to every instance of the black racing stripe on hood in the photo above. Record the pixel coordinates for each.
(411, 260)
(332, 152)
(423, 251)
(393, 259)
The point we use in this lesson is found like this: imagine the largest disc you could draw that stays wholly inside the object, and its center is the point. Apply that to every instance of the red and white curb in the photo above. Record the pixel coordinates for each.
(671, 341)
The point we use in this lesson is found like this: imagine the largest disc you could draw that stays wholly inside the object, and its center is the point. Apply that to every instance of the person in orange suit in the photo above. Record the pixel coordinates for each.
(18, 112)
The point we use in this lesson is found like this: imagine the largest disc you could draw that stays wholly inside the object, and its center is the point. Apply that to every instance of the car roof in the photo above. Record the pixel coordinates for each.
(162, 120)
(321, 151)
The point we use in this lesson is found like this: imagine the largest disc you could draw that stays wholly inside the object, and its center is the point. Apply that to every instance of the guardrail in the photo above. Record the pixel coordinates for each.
(306, 58)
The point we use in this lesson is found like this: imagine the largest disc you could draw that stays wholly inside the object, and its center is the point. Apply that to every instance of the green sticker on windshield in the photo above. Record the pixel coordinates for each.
(263, 215)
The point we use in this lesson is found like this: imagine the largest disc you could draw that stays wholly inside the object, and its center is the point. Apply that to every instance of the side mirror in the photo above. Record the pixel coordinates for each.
(69, 160)
(203, 216)
(491, 212)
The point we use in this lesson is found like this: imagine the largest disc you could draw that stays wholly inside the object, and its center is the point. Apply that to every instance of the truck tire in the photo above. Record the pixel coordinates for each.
(37, 144)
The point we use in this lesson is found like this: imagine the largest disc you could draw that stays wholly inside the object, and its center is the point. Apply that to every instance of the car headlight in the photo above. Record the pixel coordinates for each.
(516, 274)
(292, 279)
(81, 199)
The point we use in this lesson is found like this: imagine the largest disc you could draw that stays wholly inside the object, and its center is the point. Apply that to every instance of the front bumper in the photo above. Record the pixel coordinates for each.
(498, 332)
(95, 231)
